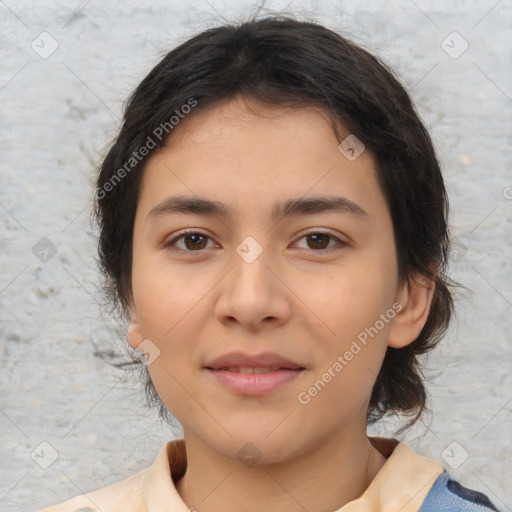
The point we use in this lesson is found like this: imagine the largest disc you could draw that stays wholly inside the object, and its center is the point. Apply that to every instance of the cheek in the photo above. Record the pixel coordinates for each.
(356, 306)
(166, 297)
(349, 361)
(350, 299)
(175, 388)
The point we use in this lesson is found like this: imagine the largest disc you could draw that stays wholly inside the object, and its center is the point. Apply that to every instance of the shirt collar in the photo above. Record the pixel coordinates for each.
(402, 484)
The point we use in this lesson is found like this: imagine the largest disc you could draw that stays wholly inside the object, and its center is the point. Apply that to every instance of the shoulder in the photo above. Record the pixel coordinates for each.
(448, 494)
(133, 494)
(125, 495)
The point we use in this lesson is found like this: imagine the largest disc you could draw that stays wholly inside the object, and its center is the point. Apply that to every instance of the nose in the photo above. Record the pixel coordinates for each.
(252, 295)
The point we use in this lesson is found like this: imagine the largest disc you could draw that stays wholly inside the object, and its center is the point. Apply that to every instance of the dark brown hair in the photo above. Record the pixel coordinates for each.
(285, 62)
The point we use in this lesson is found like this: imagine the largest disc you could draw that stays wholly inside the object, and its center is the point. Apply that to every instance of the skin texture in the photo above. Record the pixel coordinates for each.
(294, 300)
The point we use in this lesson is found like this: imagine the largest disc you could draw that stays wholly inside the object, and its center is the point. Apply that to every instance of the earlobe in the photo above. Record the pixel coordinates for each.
(416, 300)
(133, 335)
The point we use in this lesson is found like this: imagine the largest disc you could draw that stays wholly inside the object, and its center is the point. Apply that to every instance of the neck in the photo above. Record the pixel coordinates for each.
(320, 480)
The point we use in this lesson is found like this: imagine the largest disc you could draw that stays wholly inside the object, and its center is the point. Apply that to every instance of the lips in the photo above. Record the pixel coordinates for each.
(249, 369)
(257, 363)
(260, 374)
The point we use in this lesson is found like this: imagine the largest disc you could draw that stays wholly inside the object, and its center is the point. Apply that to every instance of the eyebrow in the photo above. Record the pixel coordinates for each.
(300, 206)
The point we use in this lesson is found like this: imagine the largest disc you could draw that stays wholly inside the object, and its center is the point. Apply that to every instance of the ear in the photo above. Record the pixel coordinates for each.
(415, 300)
(133, 335)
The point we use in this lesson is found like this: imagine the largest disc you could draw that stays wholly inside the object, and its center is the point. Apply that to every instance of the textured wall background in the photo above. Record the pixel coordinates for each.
(66, 69)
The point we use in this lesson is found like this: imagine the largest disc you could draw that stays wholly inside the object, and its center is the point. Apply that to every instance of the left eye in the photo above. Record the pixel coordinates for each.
(318, 239)
(195, 241)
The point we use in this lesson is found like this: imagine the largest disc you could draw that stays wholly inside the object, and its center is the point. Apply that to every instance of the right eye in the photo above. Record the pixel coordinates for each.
(193, 241)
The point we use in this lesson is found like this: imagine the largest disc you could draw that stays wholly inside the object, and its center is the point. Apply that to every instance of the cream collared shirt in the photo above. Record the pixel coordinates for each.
(401, 484)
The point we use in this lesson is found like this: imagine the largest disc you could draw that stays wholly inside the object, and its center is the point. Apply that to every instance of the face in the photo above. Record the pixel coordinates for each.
(316, 289)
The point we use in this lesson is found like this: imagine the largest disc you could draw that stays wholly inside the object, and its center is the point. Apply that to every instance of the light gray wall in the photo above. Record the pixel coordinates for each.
(59, 112)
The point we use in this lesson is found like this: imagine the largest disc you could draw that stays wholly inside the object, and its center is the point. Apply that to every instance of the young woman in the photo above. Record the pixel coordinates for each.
(273, 224)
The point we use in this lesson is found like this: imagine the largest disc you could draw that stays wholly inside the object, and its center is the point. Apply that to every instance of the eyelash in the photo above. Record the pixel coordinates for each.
(170, 245)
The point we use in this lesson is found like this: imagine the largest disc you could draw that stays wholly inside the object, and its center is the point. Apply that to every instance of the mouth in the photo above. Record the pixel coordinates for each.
(253, 374)
(247, 363)
(254, 381)
(252, 369)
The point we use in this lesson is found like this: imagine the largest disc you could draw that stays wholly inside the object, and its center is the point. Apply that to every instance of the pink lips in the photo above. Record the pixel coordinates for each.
(253, 374)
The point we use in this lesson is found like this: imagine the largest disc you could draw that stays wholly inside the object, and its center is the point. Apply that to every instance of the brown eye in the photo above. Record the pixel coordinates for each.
(321, 241)
(192, 241)
(196, 241)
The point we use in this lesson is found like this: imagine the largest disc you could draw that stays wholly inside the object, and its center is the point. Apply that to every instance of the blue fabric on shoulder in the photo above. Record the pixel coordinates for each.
(448, 495)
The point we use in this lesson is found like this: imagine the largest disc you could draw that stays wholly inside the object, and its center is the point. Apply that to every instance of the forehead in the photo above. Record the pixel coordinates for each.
(235, 119)
(251, 156)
